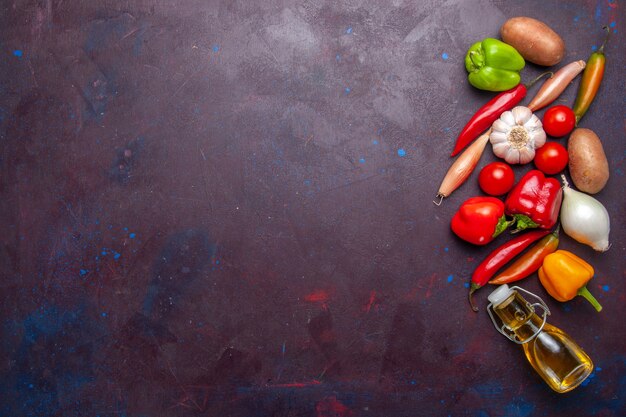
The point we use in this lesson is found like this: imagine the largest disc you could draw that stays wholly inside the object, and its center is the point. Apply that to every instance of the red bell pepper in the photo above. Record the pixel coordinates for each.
(479, 220)
(534, 201)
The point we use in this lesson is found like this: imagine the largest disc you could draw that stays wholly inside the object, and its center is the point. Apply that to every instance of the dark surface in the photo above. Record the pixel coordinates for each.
(224, 208)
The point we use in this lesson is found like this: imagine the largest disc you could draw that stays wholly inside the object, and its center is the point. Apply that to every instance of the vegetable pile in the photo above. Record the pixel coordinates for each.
(534, 209)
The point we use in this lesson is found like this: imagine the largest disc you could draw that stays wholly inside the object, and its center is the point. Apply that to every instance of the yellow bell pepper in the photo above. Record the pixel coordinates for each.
(565, 275)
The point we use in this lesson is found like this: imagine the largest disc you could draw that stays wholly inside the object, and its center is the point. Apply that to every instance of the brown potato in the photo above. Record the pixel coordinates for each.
(534, 40)
(588, 165)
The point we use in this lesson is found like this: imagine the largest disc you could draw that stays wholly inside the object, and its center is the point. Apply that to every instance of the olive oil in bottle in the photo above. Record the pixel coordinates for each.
(557, 358)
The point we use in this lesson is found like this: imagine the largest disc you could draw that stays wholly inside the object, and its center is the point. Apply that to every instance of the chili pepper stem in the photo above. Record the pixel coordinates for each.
(584, 292)
(473, 288)
(606, 39)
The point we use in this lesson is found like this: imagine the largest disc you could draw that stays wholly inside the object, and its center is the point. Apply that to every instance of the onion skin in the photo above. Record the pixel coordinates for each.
(585, 219)
(555, 85)
(462, 167)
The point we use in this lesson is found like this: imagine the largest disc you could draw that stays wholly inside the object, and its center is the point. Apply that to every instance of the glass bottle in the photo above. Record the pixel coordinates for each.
(557, 358)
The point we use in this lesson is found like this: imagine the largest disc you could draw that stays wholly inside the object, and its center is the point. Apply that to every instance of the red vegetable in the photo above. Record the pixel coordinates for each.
(496, 178)
(530, 261)
(535, 201)
(558, 121)
(551, 158)
(499, 257)
(489, 113)
(479, 220)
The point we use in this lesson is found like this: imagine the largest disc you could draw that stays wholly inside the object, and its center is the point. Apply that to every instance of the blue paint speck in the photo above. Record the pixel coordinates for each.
(126, 229)
(362, 160)
(588, 380)
(307, 182)
(347, 90)
(132, 235)
(444, 56)
(594, 48)
(446, 249)
(401, 152)
(450, 278)
(606, 287)
(337, 57)
(18, 53)
(84, 272)
(103, 253)
(104, 314)
(216, 48)
(31, 386)
(612, 24)
(349, 30)
(466, 285)
(116, 256)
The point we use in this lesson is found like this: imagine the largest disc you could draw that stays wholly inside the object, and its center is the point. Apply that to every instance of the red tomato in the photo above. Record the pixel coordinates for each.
(551, 158)
(496, 178)
(558, 121)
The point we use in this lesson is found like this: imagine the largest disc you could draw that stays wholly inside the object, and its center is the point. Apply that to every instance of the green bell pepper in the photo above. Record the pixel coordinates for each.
(493, 65)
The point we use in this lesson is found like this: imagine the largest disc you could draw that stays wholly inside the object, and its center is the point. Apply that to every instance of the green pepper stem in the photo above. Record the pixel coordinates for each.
(471, 55)
(606, 39)
(584, 292)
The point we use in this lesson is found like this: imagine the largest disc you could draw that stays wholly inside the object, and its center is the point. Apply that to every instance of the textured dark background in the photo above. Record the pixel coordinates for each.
(223, 208)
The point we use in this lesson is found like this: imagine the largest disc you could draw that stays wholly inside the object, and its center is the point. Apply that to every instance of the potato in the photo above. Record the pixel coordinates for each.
(534, 40)
(588, 165)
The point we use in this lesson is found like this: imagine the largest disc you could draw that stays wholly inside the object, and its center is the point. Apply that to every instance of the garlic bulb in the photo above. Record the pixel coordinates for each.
(585, 219)
(516, 135)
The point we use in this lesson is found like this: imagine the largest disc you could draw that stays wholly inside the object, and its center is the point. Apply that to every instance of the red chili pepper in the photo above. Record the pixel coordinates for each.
(499, 257)
(591, 79)
(479, 220)
(534, 201)
(530, 261)
(490, 112)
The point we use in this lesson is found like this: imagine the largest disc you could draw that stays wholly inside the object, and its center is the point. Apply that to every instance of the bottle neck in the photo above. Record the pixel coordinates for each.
(519, 317)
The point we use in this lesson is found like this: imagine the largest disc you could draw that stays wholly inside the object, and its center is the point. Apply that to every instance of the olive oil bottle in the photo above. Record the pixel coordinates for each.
(557, 358)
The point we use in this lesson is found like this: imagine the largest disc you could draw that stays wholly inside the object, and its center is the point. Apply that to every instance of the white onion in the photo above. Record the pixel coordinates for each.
(585, 219)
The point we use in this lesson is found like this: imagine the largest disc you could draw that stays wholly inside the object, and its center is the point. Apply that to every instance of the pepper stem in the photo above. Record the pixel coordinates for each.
(523, 222)
(606, 39)
(472, 54)
(584, 292)
(532, 82)
(473, 287)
